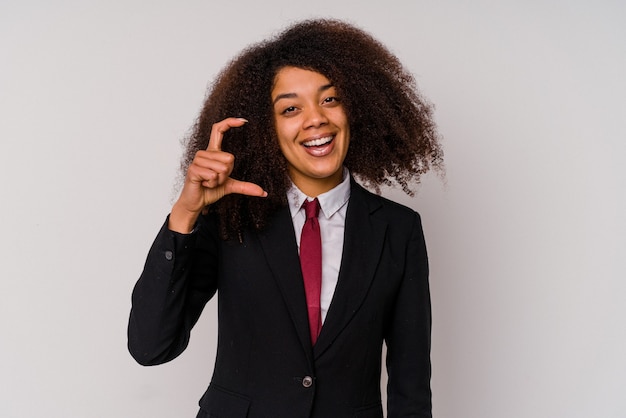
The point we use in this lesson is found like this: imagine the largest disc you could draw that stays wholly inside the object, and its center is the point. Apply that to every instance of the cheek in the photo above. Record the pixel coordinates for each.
(286, 132)
(284, 144)
(341, 119)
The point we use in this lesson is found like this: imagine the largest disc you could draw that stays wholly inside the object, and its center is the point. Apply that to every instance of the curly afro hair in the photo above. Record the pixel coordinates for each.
(393, 135)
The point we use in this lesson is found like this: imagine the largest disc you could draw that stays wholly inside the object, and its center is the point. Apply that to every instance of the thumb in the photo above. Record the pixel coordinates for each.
(245, 188)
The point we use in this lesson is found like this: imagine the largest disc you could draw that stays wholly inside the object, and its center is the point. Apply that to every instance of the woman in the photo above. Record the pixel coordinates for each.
(289, 123)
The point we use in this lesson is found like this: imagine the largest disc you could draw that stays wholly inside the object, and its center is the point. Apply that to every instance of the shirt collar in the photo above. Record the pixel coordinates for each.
(330, 201)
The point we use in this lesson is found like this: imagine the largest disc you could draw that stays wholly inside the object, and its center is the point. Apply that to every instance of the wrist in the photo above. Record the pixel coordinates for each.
(182, 220)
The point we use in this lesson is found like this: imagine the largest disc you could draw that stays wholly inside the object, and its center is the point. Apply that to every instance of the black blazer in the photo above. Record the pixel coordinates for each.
(265, 364)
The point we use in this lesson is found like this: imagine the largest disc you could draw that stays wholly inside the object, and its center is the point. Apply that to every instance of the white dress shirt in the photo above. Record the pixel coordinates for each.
(332, 220)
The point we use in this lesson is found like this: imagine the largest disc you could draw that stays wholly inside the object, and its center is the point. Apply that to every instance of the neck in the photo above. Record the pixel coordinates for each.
(315, 187)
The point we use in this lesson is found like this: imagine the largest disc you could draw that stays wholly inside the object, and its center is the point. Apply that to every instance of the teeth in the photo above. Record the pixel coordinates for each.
(318, 142)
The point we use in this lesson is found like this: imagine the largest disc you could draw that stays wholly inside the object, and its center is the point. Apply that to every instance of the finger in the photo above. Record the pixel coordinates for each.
(212, 171)
(222, 163)
(218, 129)
(245, 188)
(214, 159)
(211, 181)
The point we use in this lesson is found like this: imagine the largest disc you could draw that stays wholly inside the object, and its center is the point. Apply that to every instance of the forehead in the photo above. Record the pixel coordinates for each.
(289, 79)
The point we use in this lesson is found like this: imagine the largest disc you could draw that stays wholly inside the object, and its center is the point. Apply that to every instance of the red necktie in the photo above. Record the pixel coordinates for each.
(311, 263)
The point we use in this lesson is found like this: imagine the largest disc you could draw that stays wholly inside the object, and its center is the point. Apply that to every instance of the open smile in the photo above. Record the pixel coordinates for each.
(319, 147)
(319, 142)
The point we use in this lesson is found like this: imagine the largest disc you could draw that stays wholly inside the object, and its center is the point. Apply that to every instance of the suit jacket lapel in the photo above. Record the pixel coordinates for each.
(363, 243)
(281, 251)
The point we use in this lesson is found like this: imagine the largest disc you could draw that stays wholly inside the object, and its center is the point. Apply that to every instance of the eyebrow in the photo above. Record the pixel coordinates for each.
(294, 95)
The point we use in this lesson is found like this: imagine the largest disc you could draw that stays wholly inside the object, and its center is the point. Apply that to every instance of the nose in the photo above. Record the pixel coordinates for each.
(315, 117)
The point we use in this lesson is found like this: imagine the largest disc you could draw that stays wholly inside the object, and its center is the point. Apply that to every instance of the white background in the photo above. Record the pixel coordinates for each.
(527, 236)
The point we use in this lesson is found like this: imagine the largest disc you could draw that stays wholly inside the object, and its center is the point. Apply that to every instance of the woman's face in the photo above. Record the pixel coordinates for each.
(312, 128)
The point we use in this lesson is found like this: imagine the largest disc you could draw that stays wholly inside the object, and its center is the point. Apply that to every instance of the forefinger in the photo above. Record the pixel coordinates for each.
(218, 130)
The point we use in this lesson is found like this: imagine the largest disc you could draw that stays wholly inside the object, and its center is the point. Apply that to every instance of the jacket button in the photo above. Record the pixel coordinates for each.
(169, 255)
(307, 381)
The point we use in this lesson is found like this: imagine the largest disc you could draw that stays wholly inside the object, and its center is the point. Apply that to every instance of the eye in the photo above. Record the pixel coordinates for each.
(288, 111)
(331, 100)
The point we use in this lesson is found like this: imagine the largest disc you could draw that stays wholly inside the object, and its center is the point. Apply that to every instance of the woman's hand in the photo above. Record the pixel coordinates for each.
(208, 180)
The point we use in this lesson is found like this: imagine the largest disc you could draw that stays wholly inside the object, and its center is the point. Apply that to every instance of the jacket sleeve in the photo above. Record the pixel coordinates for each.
(408, 340)
(178, 279)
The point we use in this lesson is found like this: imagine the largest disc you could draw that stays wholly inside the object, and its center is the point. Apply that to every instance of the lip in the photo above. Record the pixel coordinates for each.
(318, 142)
(321, 150)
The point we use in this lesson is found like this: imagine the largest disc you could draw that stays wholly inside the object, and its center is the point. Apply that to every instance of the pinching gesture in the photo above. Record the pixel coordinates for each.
(208, 179)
